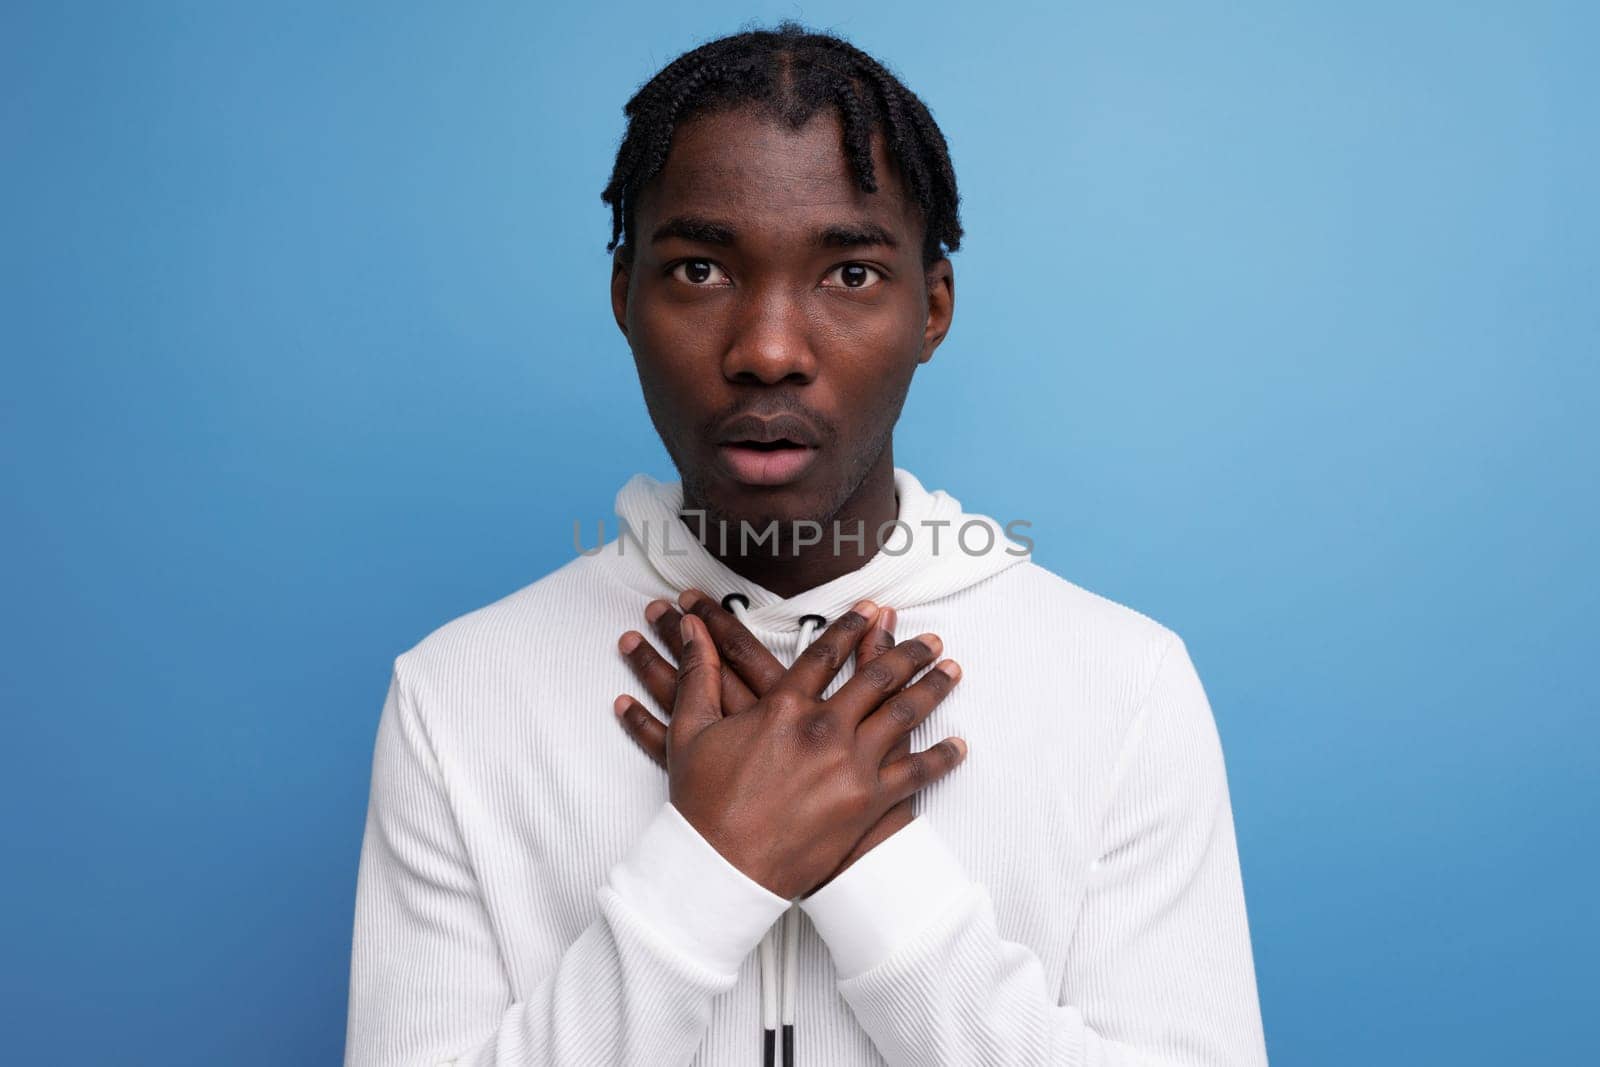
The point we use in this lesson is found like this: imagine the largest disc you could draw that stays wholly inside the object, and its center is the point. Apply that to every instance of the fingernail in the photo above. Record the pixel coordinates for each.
(629, 642)
(950, 667)
(689, 598)
(886, 619)
(654, 610)
(961, 746)
(619, 705)
(865, 608)
(684, 632)
(932, 641)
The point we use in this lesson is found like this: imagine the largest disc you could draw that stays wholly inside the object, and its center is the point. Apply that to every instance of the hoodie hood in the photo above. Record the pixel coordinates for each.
(935, 550)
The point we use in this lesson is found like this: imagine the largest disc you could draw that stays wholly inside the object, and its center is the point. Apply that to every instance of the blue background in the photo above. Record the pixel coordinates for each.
(1278, 321)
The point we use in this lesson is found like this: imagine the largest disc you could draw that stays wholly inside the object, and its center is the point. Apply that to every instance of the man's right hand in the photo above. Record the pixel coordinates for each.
(787, 788)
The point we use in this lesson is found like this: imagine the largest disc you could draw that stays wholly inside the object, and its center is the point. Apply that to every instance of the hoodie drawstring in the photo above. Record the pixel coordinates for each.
(784, 935)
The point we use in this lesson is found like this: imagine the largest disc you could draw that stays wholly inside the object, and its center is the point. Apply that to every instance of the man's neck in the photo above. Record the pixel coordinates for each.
(790, 571)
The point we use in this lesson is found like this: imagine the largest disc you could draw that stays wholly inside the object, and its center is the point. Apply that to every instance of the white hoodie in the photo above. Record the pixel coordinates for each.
(1069, 894)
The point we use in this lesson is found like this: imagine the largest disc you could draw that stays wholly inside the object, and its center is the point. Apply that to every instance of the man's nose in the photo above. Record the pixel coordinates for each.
(771, 341)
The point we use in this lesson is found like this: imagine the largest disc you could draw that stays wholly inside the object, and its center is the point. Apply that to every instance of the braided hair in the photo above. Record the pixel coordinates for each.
(792, 73)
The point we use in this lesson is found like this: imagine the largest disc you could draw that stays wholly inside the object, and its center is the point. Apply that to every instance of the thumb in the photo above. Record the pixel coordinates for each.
(699, 702)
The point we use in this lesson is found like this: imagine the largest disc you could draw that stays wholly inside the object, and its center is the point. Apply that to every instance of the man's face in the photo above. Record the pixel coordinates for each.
(768, 296)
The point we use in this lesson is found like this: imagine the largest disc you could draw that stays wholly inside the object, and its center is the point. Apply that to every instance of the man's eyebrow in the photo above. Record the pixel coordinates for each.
(854, 235)
(694, 228)
(709, 232)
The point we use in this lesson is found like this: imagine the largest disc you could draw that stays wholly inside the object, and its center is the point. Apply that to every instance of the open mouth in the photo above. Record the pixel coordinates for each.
(766, 462)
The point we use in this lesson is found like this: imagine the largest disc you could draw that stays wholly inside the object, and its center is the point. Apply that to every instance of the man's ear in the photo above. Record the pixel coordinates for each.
(941, 280)
(619, 290)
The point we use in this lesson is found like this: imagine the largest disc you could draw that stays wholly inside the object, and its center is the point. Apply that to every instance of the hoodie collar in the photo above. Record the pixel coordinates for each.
(938, 550)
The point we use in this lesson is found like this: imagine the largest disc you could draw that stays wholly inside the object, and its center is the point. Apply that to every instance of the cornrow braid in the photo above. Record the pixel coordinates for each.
(793, 73)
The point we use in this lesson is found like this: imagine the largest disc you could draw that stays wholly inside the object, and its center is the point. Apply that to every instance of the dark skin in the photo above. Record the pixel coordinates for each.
(794, 789)
(773, 314)
(765, 282)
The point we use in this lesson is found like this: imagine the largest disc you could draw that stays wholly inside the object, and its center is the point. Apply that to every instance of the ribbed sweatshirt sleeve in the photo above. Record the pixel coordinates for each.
(1160, 971)
(428, 985)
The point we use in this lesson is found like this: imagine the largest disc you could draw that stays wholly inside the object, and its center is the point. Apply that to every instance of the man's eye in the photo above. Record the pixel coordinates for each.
(699, 272)
(854, 276)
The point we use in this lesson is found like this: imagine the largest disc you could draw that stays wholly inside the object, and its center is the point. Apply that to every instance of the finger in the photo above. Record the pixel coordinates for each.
(819, 661)
(879, 639)
(699, 702)
(906, 776)
(659, 677)
(663, 618)
(883, 677)
(904, 711)
(643, 727)
(750, 659)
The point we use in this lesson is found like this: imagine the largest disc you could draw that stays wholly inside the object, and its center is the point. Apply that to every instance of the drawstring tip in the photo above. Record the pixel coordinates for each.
(788, 1045)
(768, 1048)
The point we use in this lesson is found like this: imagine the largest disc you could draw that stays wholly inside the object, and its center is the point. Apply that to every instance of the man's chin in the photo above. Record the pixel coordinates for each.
(756, 507)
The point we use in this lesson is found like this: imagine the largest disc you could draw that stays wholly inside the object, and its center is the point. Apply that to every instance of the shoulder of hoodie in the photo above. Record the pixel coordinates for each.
(1117, 638)
(489, 636)
(1124, 650)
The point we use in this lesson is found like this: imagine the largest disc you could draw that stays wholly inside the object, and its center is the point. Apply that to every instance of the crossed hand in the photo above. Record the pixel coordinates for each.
(790, 788)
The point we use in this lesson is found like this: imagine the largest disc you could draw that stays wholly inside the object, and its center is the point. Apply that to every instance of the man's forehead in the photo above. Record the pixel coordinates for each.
(738, 166)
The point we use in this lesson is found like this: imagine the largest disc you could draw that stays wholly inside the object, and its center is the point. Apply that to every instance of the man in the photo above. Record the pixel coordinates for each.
(843, 847)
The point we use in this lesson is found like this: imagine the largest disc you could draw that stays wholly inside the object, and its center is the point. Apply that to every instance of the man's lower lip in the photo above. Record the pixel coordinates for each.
(776, 466)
